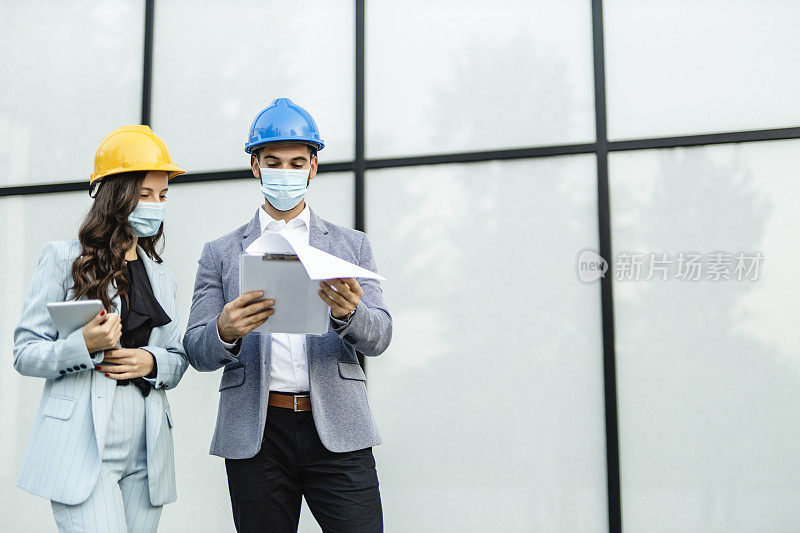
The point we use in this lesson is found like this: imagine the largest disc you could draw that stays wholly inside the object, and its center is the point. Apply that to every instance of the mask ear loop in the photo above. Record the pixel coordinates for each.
(94, 188)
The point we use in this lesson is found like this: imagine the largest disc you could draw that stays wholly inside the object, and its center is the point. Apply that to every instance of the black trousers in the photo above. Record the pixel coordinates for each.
(341, 489)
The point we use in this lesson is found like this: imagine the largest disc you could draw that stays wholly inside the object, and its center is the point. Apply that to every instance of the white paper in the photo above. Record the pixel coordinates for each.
(319, 265)
(293, 284)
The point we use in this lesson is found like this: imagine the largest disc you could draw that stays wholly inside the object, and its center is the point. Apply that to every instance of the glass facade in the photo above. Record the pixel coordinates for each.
(495, 374)
(215, 69)
(511, 375)
(700, 67)
(455, 76)
(708, 368)
(72, 72)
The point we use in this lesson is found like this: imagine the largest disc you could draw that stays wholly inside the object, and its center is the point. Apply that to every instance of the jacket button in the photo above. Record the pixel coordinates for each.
(83, 366)
(76, 367)
(62, 371)
(69, 370)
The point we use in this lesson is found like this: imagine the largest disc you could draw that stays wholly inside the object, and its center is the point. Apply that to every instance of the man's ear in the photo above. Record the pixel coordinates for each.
(254, 166)
(313, 168)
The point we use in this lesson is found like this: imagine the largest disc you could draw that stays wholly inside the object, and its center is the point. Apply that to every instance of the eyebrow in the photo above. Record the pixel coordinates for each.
(151, 190)
(297, 158)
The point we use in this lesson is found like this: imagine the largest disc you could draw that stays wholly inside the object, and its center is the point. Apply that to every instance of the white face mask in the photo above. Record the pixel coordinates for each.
(284, 187)
(146, 218)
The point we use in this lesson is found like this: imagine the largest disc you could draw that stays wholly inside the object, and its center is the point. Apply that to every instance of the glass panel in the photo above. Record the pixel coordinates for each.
(455, 76)
(26, 223)
(490, 398)
(708, 370)
(682, 67)
(77, 74)
(215, 68)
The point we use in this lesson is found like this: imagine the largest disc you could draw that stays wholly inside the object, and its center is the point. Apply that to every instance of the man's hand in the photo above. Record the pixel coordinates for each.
(341, 295)
(243, 315)
(127, 363)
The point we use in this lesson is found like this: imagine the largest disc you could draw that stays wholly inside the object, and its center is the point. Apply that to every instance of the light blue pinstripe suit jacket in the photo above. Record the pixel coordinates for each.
(63, 457)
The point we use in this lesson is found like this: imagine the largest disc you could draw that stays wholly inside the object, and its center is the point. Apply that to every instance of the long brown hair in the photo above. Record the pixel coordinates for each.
(105, 238)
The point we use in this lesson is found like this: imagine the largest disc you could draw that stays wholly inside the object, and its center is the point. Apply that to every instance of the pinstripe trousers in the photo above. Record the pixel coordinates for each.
(120, 501)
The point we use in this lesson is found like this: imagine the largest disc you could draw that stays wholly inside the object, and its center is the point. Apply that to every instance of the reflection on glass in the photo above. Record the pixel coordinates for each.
(708, 371)
(454, 76)
(215, 68)
(71, 74)
(681, 67)
(490, 398)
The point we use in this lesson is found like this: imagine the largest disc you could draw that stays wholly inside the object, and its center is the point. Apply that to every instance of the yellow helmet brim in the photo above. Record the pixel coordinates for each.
(172, 169)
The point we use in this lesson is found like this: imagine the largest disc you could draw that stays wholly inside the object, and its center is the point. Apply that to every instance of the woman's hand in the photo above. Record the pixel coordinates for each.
(127, 363)
(103, 332)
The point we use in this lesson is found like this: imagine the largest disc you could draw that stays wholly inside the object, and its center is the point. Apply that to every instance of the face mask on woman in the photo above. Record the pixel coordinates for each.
(284, 187)
(147, 218)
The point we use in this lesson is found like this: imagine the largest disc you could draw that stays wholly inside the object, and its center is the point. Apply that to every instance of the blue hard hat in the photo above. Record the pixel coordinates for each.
(283, 121)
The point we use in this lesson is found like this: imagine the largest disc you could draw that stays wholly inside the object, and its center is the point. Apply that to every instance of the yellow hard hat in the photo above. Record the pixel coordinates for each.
(132, 148)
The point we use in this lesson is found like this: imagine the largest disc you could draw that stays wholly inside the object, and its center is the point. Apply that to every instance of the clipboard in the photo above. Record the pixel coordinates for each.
(282, 277)
(289, 271)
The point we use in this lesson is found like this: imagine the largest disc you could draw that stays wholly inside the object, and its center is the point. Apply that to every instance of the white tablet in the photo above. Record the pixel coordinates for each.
(73, 315)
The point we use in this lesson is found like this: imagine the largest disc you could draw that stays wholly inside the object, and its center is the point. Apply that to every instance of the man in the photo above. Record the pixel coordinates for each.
(293, 415)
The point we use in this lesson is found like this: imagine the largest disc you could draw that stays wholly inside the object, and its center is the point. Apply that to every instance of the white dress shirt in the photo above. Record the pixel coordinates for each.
(289, 361)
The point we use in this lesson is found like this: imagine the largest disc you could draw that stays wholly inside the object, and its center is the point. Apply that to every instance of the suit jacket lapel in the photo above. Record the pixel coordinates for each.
(251, 232)
(318, 232)
(318, 238)
(156, 276)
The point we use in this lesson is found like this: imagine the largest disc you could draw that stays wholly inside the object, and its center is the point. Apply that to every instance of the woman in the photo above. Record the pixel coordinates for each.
(101, 446)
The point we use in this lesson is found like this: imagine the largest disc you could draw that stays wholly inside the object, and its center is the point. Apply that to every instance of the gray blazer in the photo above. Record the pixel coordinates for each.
(62, 460)
(338, 390)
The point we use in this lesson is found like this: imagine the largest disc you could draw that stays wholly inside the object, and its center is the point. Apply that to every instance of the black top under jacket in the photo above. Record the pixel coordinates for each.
(141, 312)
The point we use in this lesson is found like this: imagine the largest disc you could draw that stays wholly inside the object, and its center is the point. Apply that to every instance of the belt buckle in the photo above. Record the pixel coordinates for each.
(294, 399)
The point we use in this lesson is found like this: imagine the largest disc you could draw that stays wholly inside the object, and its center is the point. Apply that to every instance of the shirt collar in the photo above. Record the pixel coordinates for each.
(304, 217)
